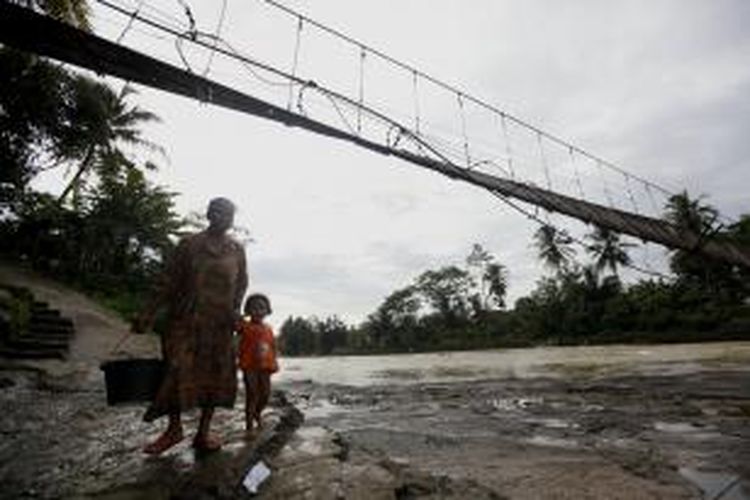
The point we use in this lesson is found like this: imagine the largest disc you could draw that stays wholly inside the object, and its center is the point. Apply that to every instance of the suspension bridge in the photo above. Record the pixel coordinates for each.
(479, 143)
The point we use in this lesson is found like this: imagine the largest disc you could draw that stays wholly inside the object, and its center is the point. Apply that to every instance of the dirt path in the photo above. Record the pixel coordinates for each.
(97, 330)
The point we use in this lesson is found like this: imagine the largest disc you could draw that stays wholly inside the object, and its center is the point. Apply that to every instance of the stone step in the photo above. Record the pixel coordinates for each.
(47, 353)
(51, 320)
(38, 305)
(44, 328)
(33, 343)
(50, 314)
(54, 337)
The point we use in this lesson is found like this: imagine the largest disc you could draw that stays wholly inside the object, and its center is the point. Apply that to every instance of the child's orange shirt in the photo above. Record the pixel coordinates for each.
(257, 347)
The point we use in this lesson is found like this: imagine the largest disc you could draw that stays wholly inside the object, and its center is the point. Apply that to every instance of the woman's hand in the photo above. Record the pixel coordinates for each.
(236, 320)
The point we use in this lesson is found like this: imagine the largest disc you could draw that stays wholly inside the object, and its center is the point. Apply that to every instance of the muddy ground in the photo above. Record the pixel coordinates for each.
(684, 436)
(615, 437)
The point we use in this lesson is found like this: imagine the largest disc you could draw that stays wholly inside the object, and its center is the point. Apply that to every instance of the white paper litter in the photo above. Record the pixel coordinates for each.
(255, 476)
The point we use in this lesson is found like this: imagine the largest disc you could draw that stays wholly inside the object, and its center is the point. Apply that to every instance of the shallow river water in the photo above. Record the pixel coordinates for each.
(672, 359)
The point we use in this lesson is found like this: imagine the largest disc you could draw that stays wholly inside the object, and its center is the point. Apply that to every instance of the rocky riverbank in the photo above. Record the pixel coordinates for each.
(685, 436)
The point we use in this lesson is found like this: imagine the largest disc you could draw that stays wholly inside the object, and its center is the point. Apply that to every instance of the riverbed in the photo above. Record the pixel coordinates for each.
(619, 422)
(615, 422)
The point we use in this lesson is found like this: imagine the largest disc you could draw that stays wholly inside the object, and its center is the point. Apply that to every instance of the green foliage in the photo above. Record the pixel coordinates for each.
(100, 123)
(496, 278)
(112, 239)
(449, 292)
(607, 249)
(690, 214)
(554, 247)
(75, 12)
(15, 310)
(580, 308)
(726, 282)
(53, 118)
(492, 278)
(300, 336)
(394, 323)
(33, 97)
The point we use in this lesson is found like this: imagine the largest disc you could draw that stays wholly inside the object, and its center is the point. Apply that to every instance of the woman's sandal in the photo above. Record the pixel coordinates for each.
(207, 443)
(163, 443)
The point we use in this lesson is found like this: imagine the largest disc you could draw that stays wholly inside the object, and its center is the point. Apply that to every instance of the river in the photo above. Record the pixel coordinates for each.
(663, 359)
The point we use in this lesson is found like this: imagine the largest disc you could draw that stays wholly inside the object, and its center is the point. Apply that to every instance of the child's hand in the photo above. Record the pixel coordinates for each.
(261, 351)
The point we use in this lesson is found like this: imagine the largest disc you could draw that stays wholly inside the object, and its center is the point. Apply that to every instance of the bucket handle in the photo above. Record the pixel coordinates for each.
(120, 341)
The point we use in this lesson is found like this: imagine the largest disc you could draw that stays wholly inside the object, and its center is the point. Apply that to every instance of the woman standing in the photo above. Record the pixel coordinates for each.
(202, 290)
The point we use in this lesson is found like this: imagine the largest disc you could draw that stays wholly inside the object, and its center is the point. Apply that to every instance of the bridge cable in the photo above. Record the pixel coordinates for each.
(464, 134)
(454, 90)
(545, 166)
(630, 194)
(129, 25)
(508, 148)
(188, 14)
(362, 57)
(415, 94)
(651, 198)
(576, 173)
(217, 36)
(605, 185)
(295, 61)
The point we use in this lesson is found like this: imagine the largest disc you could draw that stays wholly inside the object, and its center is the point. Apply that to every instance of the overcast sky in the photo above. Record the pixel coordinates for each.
(658, 87)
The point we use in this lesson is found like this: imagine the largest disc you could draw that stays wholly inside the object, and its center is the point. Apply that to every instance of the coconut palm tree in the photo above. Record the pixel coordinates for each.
(607, 249)
(699, 218)
(75, 12)
(102, 124)
(690, 214)
(554, 247)
(496, 277)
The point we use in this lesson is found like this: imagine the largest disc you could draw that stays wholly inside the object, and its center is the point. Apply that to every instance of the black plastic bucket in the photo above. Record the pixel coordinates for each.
(132, 380)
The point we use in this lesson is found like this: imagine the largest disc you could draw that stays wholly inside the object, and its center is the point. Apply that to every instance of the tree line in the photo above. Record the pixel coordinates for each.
(463, 307)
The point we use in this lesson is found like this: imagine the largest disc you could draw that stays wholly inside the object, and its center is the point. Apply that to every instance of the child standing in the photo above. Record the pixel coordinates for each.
(257, 357)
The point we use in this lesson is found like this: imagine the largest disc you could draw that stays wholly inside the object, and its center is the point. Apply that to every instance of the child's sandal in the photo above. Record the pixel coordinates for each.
(207, 443)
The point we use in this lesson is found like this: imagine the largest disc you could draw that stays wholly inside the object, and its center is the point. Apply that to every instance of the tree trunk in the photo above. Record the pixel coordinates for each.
(83, 167)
